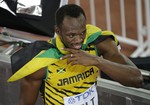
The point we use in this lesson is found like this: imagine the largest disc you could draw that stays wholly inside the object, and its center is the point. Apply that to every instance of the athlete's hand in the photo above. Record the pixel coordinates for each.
(79, 57)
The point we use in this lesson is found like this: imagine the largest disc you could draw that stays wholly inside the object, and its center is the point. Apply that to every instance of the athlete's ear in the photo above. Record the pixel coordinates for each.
(57, 30)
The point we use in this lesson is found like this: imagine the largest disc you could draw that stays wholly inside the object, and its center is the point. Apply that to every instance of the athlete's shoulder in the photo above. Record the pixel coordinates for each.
(25, 54)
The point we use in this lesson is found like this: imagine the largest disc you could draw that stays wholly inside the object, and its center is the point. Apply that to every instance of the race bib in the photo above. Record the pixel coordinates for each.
(89, 97)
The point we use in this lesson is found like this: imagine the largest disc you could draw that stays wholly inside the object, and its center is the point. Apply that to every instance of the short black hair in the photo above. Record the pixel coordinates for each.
(71, 10)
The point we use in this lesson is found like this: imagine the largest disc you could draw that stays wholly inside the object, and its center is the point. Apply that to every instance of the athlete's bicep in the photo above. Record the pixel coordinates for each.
(110, 51)
(30, 86)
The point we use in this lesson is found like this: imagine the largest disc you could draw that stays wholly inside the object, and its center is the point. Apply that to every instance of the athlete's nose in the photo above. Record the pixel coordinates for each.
(78, 39)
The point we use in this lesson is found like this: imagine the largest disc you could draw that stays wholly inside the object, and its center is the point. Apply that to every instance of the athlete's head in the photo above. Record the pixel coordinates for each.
(71, 25)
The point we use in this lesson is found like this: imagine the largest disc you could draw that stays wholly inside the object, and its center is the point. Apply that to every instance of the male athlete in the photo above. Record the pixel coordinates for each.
(66, 73)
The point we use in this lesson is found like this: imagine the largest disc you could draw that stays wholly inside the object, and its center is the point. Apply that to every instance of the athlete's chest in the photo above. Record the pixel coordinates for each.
(61, 74)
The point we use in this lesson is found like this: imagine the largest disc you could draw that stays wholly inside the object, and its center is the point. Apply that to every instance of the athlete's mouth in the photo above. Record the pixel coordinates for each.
(77, 46)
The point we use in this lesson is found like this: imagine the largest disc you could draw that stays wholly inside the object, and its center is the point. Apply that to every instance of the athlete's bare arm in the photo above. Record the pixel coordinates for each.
(127, 74)
(30, 87)
(112, 62)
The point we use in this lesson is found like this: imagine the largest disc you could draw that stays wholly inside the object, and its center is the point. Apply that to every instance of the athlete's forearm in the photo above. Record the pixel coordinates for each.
(125, 74)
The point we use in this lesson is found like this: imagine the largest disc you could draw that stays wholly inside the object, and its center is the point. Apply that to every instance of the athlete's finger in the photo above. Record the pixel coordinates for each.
(66, 56)
(70, 50)
(74, 63)
(71, 60)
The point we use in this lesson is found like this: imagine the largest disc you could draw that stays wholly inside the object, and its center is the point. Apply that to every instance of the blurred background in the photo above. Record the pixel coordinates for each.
(128, 19)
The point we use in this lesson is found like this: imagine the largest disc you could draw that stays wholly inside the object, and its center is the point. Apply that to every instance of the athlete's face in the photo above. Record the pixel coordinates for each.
(72, 31)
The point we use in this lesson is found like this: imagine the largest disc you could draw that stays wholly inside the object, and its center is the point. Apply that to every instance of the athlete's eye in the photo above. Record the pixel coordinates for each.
(71, 35)
(83, 33)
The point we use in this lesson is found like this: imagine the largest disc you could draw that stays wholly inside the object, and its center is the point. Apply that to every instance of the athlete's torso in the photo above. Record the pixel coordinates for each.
(65, 80)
